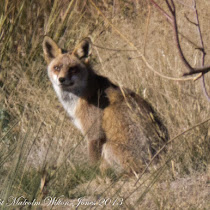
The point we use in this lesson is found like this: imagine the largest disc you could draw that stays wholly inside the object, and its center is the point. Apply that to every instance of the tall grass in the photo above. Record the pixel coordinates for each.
(37, 138)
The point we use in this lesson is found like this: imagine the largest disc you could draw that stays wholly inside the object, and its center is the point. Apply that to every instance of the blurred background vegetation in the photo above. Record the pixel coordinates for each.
(36, 136)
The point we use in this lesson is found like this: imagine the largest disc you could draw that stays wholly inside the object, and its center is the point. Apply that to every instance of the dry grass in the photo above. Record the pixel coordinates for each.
(36, 134)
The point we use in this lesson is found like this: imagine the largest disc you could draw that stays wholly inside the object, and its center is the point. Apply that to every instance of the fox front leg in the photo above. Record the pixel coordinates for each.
(95, 149)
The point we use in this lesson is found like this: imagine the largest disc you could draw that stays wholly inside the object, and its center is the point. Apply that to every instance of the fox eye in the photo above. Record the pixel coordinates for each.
(57, 68)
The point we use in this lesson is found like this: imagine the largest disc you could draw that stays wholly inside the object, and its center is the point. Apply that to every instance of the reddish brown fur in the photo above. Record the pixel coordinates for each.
(120, 127)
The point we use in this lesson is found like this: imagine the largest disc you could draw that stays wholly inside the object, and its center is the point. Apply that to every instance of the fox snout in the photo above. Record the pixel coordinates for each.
(62, 79)
(66, 79)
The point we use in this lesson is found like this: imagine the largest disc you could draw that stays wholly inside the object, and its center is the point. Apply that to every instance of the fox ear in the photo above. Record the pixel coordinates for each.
(83, 49)
(51, 49)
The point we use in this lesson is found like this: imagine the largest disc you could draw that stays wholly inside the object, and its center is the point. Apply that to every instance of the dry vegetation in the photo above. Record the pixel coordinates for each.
(36, 136)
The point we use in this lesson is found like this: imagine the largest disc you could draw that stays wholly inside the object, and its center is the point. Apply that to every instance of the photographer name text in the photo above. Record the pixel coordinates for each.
(60, 201)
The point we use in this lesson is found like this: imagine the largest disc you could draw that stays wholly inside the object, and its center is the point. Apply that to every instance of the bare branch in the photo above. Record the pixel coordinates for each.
(203, 52)
(192, 70)
(204, 88)
(169, 18)
(190, 20)
(200, 34)
(172, 10)
(176, 33)
(202, 70)
(161, 10)
(173, 20)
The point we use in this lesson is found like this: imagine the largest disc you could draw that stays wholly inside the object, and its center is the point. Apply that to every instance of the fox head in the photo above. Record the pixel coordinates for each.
(69, 70)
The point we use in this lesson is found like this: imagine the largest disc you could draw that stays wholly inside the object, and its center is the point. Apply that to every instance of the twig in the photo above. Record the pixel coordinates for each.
(172, 9)
(190, 20)
(203, 52)
(162, 10)
(203, 70)
(200, 34)
(204, 88)
(198, 76)
(169, 18)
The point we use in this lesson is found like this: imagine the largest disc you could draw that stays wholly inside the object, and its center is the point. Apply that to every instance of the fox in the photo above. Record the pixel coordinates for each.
(122, 129)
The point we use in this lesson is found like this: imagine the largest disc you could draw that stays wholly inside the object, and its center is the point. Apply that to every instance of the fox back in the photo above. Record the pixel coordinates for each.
(121, 128)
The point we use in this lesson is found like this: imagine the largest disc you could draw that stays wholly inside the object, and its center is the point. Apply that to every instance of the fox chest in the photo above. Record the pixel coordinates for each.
(87, 118)
(70, 103)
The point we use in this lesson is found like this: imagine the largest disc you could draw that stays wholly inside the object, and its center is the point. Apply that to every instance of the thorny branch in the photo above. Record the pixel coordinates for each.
(193, 70)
